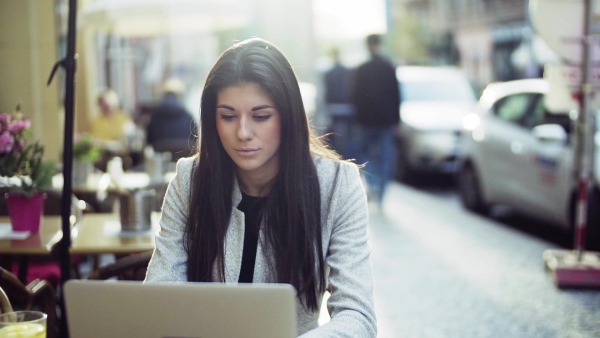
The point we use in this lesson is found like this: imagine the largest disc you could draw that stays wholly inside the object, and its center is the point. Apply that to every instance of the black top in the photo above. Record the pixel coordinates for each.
(377, 94)
(252, 207)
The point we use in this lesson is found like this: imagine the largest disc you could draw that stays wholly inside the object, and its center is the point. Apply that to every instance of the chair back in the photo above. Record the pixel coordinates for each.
(4, 303)
(38, 294)
(132, 267)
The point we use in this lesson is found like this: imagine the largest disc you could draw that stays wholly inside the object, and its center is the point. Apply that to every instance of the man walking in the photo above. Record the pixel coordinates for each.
(376, 98)
(338, 87)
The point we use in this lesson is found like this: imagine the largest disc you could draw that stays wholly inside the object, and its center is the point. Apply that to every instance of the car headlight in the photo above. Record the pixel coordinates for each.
(471, 121)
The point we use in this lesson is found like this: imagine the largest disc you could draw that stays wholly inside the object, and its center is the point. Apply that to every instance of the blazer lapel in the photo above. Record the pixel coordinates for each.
(234, 239)
(234, 244)
(261, 265)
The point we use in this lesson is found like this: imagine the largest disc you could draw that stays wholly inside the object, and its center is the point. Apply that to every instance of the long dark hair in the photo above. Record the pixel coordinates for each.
(292, 215)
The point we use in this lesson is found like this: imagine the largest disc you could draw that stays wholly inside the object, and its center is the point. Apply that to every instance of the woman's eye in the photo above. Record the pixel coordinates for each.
(262, 117)
(227, 117)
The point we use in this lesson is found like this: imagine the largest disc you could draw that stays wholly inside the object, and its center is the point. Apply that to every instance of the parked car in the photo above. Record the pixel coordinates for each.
(519, 153)
(434, 102)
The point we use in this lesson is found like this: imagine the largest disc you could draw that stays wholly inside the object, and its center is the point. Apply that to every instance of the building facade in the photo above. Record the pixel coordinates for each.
(490, 39)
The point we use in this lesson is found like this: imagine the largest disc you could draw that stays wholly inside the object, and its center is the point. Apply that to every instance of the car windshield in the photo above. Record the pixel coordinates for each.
(436, 91)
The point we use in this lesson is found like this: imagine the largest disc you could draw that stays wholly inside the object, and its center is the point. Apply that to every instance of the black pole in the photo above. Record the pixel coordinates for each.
(70, 67)
(69, 63)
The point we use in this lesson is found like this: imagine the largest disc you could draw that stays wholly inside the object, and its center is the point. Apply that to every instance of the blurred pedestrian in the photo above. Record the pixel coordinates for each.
(112, 125)
(172, 128)
(376, 97)
(338, 88)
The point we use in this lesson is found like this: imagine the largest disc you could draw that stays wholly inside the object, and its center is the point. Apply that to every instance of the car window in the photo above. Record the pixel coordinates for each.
(541, 115)
(513, 108)
(538, 113)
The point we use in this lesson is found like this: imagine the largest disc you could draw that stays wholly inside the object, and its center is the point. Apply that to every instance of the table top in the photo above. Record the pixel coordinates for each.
(95, 234)
(37, 243)
(101, 234)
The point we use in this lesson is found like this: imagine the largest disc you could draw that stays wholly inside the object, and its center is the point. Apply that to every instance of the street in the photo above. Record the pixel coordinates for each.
(440, 271)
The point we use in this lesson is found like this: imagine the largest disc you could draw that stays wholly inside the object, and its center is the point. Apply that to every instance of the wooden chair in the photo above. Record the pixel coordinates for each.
(131, 267)
(4, 303)
(37, 295)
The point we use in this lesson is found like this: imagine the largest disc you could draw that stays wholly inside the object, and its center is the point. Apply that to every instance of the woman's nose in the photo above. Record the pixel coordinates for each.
(244, 129)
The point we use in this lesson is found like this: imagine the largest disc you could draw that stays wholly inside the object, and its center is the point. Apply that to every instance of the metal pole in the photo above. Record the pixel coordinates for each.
(70, 67)
(586, 141)
(65, 244)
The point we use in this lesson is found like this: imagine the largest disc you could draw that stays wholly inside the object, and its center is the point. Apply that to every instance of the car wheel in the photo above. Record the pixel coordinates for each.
(470, 190)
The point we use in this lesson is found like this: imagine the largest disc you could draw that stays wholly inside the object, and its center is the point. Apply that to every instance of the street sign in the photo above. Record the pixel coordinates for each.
(560, 94)
(573, 78)
(560, 24)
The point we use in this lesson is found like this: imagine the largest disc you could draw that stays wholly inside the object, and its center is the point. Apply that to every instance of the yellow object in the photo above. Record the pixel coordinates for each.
(23, 331)
(109, 127)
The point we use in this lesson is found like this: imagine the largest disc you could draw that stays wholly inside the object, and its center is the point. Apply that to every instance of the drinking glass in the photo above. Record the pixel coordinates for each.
(23, 324)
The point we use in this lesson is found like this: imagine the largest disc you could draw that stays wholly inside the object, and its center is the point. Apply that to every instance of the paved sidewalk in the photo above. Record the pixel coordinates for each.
(440, 271)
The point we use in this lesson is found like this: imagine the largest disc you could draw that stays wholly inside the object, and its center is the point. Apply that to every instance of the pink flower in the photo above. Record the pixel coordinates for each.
(4, 119)
(19, 125)
(6, 142)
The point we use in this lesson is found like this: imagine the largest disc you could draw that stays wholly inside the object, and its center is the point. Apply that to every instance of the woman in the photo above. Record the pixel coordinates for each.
(265, 201)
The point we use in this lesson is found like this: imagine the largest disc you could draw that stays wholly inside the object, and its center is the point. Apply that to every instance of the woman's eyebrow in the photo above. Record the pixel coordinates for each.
(225, 106)
(264, 106)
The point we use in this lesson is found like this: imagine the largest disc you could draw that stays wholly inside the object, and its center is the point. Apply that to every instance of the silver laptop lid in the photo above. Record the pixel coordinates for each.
(182, 310)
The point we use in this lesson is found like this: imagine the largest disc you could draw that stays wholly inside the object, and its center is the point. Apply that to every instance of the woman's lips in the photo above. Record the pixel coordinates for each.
(247, 151)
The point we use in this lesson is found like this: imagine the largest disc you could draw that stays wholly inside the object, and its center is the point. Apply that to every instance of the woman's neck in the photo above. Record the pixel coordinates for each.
(255, 185)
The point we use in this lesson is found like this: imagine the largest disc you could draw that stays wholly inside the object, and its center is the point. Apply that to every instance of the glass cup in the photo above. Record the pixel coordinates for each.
(23, 324)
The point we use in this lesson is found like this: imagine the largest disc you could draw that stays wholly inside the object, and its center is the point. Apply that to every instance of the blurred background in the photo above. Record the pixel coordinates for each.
(132, 46)
(446, 264)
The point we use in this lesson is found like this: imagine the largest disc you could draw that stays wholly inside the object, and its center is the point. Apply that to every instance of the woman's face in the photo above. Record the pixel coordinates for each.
(249, 127)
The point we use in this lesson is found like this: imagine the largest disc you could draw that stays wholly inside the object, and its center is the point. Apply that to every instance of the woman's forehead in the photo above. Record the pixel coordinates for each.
(243, 92)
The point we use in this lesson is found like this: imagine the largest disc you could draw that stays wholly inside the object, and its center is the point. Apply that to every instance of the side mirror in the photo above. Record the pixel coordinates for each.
(550, 133)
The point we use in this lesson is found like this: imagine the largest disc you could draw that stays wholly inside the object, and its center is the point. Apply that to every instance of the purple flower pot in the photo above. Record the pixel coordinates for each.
(25, 212)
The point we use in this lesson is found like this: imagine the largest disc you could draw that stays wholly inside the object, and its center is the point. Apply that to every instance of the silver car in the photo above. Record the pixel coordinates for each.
(434, 102)
(517, 152)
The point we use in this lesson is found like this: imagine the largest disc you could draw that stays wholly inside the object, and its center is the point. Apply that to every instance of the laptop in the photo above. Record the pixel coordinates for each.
(179, 310)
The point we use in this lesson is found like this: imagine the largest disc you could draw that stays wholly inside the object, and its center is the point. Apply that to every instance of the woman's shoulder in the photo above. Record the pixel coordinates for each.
(184, 166)
(331, 167)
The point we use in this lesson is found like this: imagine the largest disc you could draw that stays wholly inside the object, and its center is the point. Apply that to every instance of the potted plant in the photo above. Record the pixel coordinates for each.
(23, 172)
(85, 153)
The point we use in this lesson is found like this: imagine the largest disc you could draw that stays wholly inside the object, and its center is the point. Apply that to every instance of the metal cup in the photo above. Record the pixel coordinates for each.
(135, 208)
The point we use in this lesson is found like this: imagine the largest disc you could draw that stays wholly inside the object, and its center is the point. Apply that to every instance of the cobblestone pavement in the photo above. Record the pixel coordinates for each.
(440, 271)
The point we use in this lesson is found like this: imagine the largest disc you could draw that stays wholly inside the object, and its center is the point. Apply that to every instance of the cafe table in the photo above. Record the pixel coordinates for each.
(24, 246)
(95, 234)
(99, 234)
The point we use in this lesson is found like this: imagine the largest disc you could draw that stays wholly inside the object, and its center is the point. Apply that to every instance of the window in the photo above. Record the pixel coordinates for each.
(537, 115)
(513, 108)
(541, 115)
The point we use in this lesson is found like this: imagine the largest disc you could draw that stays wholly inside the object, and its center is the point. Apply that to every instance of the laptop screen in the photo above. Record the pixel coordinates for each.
(183, 310)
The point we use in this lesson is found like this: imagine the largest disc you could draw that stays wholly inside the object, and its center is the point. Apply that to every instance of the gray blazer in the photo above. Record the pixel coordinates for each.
(346, 248)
